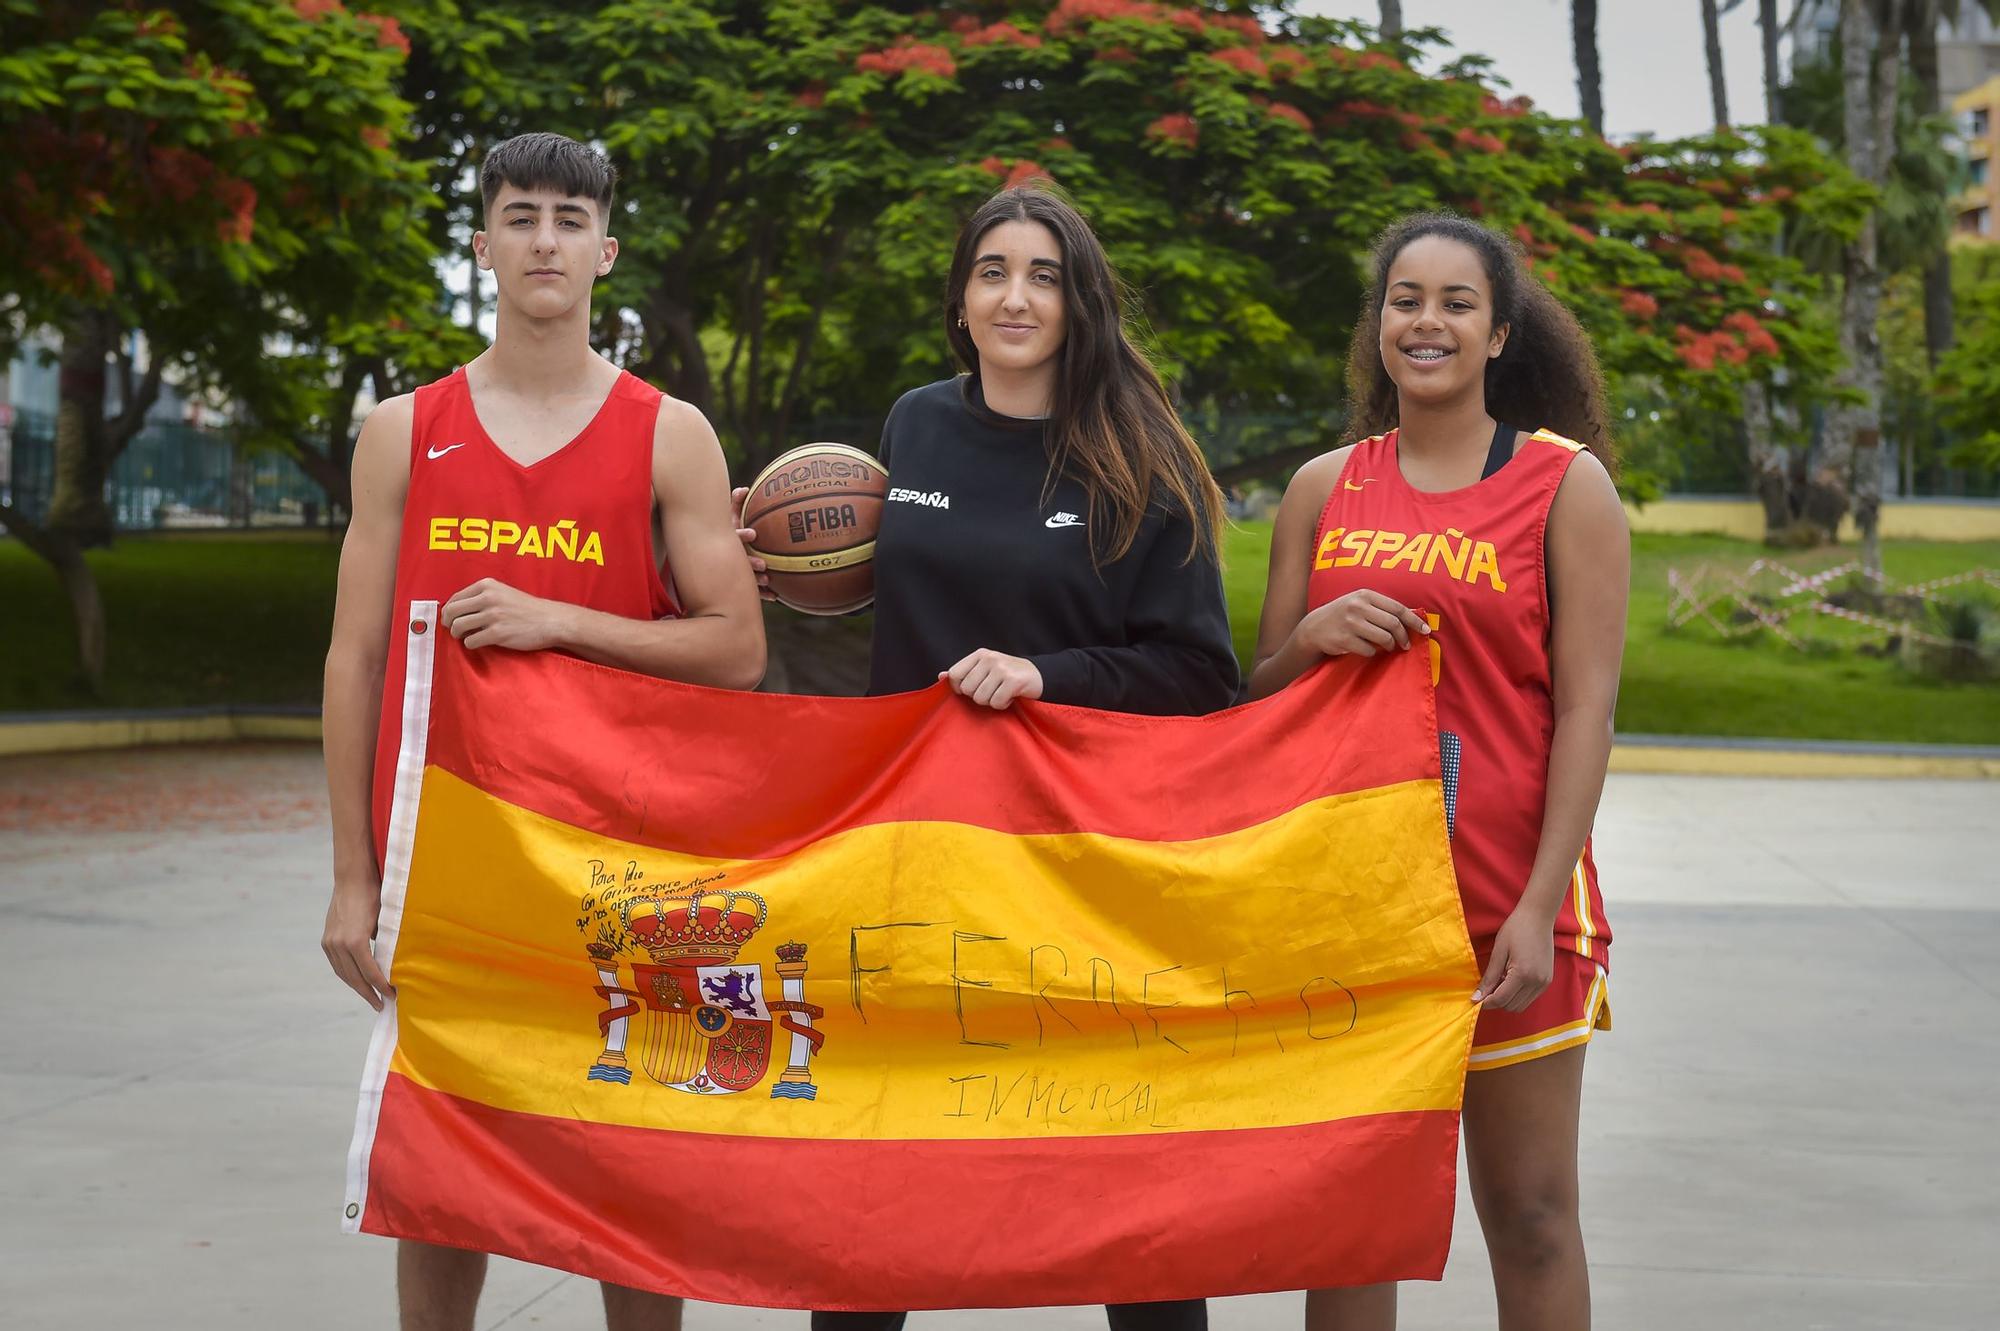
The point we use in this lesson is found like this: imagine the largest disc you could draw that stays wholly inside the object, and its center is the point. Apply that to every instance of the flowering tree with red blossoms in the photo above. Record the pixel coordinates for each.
(796, 173)
(195, 187)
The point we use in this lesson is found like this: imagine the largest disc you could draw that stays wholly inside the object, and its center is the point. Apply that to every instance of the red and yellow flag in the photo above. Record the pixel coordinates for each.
(905, 1003)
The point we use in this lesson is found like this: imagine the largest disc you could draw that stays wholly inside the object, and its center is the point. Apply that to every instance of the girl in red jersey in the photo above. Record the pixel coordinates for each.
(1476, 520)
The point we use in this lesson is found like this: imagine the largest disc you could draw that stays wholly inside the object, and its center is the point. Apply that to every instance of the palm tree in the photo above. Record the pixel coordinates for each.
(1589, 78)
(1768, 27)
(1718, 88)
(1392, 20)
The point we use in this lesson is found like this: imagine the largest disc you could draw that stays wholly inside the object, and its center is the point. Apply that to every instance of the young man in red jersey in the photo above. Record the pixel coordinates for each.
(541, 495)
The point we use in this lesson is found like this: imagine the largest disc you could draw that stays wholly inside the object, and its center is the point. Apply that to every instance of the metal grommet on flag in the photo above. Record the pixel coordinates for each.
(418, 627)
(353, 1211)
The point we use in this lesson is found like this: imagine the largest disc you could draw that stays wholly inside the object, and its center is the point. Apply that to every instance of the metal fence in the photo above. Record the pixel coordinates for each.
(179, 476)
(170, 476)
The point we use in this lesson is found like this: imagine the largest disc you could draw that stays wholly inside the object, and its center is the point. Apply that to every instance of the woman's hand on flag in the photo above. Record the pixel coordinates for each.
(994, 679)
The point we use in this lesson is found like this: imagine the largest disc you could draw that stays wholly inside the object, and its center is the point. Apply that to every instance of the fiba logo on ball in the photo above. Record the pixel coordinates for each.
(814, 513)
(802, 524)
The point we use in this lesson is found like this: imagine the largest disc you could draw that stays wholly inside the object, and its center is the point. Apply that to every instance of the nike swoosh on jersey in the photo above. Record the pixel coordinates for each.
(1357, 485)
(435, 453)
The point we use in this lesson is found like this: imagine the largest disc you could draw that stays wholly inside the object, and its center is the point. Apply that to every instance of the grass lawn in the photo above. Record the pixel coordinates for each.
(1690, 682)
(243, 618)
(194, 619)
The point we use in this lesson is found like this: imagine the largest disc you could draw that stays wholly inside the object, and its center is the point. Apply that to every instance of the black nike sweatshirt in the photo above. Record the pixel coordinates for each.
(970, 556)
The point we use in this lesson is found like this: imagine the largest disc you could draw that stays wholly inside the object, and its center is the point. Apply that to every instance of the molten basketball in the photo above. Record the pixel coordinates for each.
(815, 512)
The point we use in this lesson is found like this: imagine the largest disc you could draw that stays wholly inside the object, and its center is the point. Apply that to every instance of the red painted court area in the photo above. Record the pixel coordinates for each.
(180, 788)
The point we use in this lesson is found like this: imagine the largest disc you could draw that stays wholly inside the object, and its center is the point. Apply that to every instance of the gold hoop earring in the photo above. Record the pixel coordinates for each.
(961, 321)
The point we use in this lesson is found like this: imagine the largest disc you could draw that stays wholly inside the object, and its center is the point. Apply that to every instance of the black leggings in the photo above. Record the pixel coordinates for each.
(1177, 1315)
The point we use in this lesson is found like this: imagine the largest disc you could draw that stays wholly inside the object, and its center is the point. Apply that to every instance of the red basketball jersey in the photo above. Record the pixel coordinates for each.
(576, 526)
(1472, 561)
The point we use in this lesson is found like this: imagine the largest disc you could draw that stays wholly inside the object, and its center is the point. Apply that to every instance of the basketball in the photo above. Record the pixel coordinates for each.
(815, 512)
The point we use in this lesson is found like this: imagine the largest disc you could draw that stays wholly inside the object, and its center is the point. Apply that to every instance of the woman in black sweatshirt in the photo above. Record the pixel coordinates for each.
(1051, 527)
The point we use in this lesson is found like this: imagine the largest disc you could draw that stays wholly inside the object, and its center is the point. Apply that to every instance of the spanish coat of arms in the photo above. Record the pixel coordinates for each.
(705, 1023)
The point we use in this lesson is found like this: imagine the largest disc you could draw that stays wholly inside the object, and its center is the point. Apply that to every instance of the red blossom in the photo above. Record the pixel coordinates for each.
(907, 55)
(1189, 21)
(1116, 55)
(1057, 145)
(1000, 34)
(1077, 13)
(1762, 343)
(1507, 107)
(1582, 232)
(1243, 60)
(1480, 140)
(1240, 24)
(1023, 172)
(1524, 233)
(375, 136)
(1701, 265)
(1285, 111)
(1178, 127)
(1638, 304)
(1779, 193)
(993, 166)
(240, 198)
(312, 10)
(812, 97)
(1285, 61)
(388, 32)
(1729, 272)
(1379, 60)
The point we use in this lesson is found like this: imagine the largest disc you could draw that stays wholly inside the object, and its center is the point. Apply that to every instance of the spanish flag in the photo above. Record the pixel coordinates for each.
(906, 1003)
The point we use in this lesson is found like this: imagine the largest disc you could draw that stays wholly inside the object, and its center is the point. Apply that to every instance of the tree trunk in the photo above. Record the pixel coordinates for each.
(77, 508)
(86, 607)
(1718, 90)
(1392, 20)
(86, 612)
(1770, 463)
(1768, 29)
(1589, 78)
(1923, 29)
(1849, 470)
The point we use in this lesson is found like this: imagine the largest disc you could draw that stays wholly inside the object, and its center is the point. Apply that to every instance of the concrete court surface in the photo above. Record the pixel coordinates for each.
(1792, 1126)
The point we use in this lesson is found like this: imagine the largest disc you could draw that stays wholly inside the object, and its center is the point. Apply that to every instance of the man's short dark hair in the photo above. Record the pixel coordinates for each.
(552, 162)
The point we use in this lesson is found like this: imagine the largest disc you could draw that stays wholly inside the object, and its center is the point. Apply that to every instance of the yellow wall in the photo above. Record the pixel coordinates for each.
(1902, 520)
(1987, 147)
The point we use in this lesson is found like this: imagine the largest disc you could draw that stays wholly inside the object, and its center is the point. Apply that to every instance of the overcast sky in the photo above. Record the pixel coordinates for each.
(1655, 76)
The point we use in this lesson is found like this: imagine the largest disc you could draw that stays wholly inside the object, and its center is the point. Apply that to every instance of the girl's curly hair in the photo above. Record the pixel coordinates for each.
(1546, 377)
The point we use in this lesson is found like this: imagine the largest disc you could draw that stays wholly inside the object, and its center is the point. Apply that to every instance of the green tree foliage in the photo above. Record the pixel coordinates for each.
(1968, 377)
(212, 188)
(794, 173)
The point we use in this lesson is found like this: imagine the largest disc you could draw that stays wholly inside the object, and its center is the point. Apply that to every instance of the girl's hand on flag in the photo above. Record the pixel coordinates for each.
(489, 613)
(1522, 964)
(994, 679)
(1361, 623)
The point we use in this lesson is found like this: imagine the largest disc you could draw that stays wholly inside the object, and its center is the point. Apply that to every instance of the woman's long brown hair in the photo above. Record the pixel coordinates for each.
(1111, 425)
